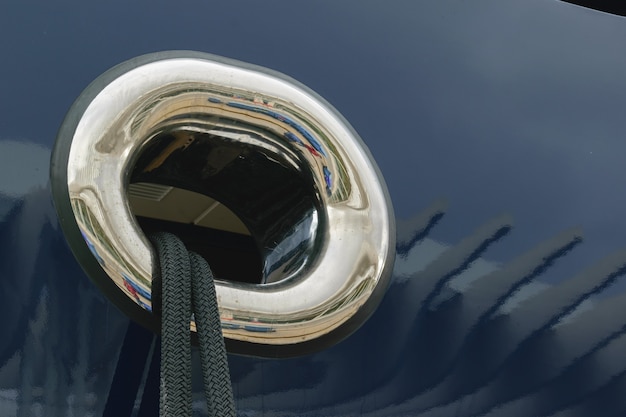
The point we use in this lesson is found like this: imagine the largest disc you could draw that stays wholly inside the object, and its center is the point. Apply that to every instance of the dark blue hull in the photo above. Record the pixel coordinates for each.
(499, 128)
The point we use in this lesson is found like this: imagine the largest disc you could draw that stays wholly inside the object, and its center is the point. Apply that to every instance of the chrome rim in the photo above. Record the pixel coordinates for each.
(351, 234)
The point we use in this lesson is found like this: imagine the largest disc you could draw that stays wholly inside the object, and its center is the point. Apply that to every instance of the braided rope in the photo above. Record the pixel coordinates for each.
(217, 387)
(187, 281)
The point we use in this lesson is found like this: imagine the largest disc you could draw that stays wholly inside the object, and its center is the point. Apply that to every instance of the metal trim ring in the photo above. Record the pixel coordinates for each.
(122, 110)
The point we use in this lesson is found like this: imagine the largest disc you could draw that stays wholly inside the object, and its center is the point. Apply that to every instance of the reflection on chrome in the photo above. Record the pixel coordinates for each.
(322, 266)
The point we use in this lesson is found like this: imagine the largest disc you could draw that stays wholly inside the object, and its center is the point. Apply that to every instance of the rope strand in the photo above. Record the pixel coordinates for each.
(187, 285)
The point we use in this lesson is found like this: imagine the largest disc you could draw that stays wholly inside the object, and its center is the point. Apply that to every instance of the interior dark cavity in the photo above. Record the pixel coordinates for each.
(262, 215)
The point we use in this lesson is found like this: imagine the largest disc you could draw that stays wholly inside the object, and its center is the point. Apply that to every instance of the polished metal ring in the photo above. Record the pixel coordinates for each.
(349, 234)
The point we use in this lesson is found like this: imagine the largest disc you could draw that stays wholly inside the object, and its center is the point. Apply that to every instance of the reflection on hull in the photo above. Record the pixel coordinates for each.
(470, 337)
(60, 338)
(455, 332)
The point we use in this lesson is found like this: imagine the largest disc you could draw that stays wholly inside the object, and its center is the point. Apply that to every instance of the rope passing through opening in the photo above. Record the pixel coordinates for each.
(187, 287)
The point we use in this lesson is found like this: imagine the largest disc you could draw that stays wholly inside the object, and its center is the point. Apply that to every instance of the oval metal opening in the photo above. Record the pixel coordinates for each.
(274, 153)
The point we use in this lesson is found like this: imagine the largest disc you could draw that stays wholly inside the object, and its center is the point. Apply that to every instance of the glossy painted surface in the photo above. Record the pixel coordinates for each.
(499, 129)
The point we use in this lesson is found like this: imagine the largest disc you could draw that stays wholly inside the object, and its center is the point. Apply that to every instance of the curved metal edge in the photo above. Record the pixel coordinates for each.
(61, 199)
(365, 311)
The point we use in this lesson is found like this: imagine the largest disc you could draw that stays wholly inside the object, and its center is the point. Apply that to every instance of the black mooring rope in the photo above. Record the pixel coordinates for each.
(187, 286)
